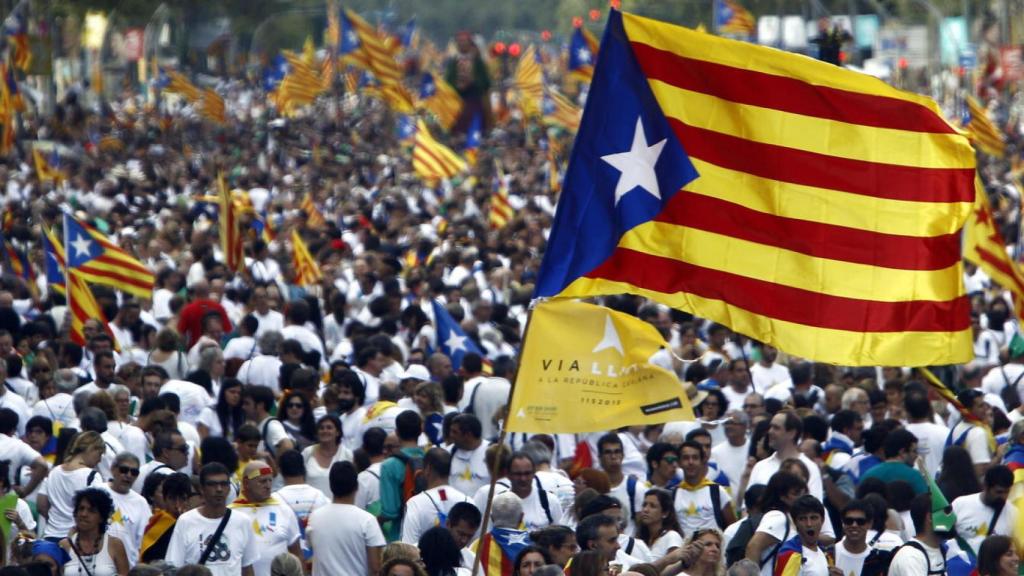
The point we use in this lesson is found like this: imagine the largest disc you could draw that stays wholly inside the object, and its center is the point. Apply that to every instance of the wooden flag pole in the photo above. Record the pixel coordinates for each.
(497, 459)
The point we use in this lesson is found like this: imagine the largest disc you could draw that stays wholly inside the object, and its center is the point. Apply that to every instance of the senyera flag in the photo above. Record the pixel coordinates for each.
(801, 204)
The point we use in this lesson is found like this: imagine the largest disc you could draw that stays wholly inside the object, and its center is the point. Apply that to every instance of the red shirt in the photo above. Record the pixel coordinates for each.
(190, 324)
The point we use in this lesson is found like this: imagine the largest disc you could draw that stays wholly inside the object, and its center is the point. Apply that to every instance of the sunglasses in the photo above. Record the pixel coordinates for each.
(183, 448)
(128, 470)
(671, 459)
(294, 405)
(855, 521)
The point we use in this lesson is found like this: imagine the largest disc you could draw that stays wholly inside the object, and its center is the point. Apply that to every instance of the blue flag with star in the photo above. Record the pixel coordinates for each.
(451, 340)
(81, 246)
(626, 165)
(581, 58)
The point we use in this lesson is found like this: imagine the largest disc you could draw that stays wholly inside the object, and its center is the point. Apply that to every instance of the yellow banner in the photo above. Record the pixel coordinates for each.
(586, 368)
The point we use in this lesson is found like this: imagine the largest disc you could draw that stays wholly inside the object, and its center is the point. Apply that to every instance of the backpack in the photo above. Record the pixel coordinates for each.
(263, 435)
(414, 482)
(927, 559)
(737, 549)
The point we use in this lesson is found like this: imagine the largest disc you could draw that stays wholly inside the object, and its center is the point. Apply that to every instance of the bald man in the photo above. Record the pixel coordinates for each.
(275, 526)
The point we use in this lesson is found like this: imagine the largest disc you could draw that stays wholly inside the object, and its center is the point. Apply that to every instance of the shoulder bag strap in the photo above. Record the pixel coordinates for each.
(78, 555)
(215, 538)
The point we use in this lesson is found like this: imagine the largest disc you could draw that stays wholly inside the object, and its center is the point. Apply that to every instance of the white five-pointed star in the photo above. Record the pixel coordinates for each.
(637, 165)
(517, 538)
(352, 38)
(81, 246)
(584, 55)
(455, 342)
(611, 338)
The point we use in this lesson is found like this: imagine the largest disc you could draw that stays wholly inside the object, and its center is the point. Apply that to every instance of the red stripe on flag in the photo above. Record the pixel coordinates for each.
(823, 171)
(783, 302)
(815, 238)
(786, 94)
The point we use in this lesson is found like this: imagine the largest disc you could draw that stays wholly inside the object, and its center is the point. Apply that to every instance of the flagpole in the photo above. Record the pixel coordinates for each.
(497, 457)
(67, 270)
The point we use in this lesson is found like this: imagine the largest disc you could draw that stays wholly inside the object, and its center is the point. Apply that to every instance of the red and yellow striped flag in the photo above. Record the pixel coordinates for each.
(230, 230)
(529, 82)
(380, 59)
(211, 107)
(307, 272)
(98, 260)
(982, 131)
(801, 204)
(314, 218)
(83, 306)
(431, 160)
(179, 84)
(984, 246)
(440, 99)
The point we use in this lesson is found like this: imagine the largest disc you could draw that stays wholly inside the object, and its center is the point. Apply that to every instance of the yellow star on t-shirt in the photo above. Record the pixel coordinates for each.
(692, 510)
(983, 529)
(117, 518)
(256, 527)
(467, 475)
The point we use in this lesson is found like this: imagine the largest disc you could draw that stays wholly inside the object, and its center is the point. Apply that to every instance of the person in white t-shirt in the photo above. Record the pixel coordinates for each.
(20, 454)
(629, 490)
(931, 437)
(784, 436)
(430, 508)
(368, 497)
(274, 524)
(76, 473)
(766, 373)
(257, 401)
(469, 470)
(263, 369)
(302, 498)
(541, 507)
(776, 527)
(234, 551)
(986, 513)
(971, 436)
(131, 511)
(344, 539)
(853, 549)
(922, 555)
(801, 555)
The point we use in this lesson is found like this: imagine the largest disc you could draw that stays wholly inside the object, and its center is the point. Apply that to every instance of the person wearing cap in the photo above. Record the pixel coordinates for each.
(274, 525)
(974, 436)
(732, 454)
(408, 380)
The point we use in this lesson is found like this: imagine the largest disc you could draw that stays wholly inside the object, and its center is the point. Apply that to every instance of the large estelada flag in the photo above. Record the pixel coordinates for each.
(96, 259)
(801, 204)
(984, 246)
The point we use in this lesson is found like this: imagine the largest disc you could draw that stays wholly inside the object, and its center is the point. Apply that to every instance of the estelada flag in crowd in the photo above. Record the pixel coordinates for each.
(96, 259)
(498, 550)
(582, 53)
(473, 138)
(17, 263)
(82, 306)
(981, 130)
(732, 18)
(16, 32)
(599, 360)
(307, 271)
(53, 252)
(451, 339)
(431, 160)
(47, 170)
(804, 205)
(501, 211)
(439, 98)
(984, 246)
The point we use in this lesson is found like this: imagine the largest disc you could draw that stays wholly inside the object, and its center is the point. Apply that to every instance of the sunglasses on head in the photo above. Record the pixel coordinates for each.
(855, 521)
(128, 470)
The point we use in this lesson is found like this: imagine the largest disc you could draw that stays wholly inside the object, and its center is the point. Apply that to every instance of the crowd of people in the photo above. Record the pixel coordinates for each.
(236, 423)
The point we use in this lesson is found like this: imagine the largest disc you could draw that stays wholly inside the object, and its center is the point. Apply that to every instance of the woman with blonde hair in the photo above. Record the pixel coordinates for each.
(78, 472)
(709, 563)
(429, 399)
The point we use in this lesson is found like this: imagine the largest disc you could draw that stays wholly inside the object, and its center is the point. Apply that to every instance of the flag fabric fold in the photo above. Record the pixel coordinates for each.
(980, 129)
(47, 169)
(431, 160)
(230, 228)
(529, 82)
(16, 31)
(601, 362)
(984, 246)
(440, 99)
(501, 211)
(307, 271)
(53, 251)
(800, 204)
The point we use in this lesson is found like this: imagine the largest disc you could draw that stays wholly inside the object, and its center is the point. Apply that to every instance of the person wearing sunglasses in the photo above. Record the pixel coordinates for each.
(663, 465)
(170, 454)
(854, 555)
(131, 511)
